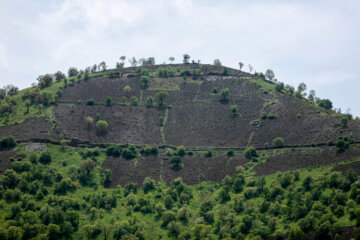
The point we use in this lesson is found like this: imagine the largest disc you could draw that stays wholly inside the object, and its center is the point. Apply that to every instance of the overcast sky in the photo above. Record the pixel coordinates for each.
(316, 42)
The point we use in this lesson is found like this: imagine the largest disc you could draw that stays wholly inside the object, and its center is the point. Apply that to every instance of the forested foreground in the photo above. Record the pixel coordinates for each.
(62, 193)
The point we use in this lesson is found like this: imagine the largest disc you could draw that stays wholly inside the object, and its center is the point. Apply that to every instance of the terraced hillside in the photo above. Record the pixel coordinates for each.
(182, 151)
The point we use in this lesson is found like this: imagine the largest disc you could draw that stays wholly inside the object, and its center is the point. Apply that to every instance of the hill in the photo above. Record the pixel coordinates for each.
(114, 131)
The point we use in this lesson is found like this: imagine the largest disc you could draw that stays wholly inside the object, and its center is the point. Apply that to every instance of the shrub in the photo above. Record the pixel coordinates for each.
(233, 109)
(181, 151)
(101, 126)
(325, 103)
(208, 154)
(90, 102)
(149, 101)
(230, 153)
(176, 163)
(278, 142)
(89, 121)
(161, 96)
(7, 143)
(279, 87)
(344, 122)
(134, 101)
(150, 150)
(250, 152)
(224, 94)
(45, 158)
(145, 82)
(148, 184)
(130, 152)
(108, 101)
(114, 150)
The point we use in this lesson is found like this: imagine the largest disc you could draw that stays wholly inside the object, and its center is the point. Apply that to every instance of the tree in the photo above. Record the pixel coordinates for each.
(134, 101)
(14, 233)
(145, 82)
(325, 103)
(89, 121)
(344, 122)
(148, 184)
(59, 76)
(234, 110)
(133, 62)
(176, 163)
(312, 95)
(149, 101)
(279, 87)
(290, 89)
(186, 58)
(11, 90)
(101, 126)
(278, 142)
(217, 63)
(102, 66)
(301, 90)
(72, 72)
(250, 152)
(241, 65)
(45, 158)
(171, 59)
(269, 74)
(224, 94)
(108, 101)
(127, 89)
(161, 96)
(45, 80)
(250, 68)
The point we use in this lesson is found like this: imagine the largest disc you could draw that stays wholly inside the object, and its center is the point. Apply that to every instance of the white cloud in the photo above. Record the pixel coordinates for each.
(311, 41)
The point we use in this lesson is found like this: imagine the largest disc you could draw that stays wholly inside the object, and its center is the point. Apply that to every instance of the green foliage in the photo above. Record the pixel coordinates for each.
(325, 103)
(150, 150)
(130, 152)
(161, 96)
(108, 101)
(7, 143)
(279, 87)
(234, 110)
(149, 101)
(145, 82)
(134, 101)
(343, 143)
(224, 94)
(176, 163)
(101, 127)
(45, 158)
(278, 142)
(250, 152)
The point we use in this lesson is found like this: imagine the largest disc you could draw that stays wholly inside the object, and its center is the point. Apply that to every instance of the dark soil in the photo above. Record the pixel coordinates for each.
(127, 124)
(302, 159)
(98, 89)
(300, 123)
(36, 128)
(196, 169)
(344, 168)
(5, 159)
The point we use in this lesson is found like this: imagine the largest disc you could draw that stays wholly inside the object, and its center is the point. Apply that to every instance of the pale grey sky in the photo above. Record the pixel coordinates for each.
(316, 42)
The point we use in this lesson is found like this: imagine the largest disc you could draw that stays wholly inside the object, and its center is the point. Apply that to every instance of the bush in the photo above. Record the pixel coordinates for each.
(89, 122)
(101, 126)
(325, 103)
(134, 101)
(108, 101)
(250, 152)
(278, 142)
(208, 154)
(181, 151)
(279, 87)
(130, 153)
(224, 94)
(176, 163)
(148, 185)
(90, 102)
(7, 143)
(114, 150)
(150, 150)
(145, 82)
(45, 158)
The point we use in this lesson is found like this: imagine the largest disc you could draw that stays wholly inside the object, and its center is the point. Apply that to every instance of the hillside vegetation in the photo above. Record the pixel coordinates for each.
(175, 151)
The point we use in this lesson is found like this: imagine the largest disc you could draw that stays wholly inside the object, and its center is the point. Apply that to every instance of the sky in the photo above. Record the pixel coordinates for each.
(316, 42)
